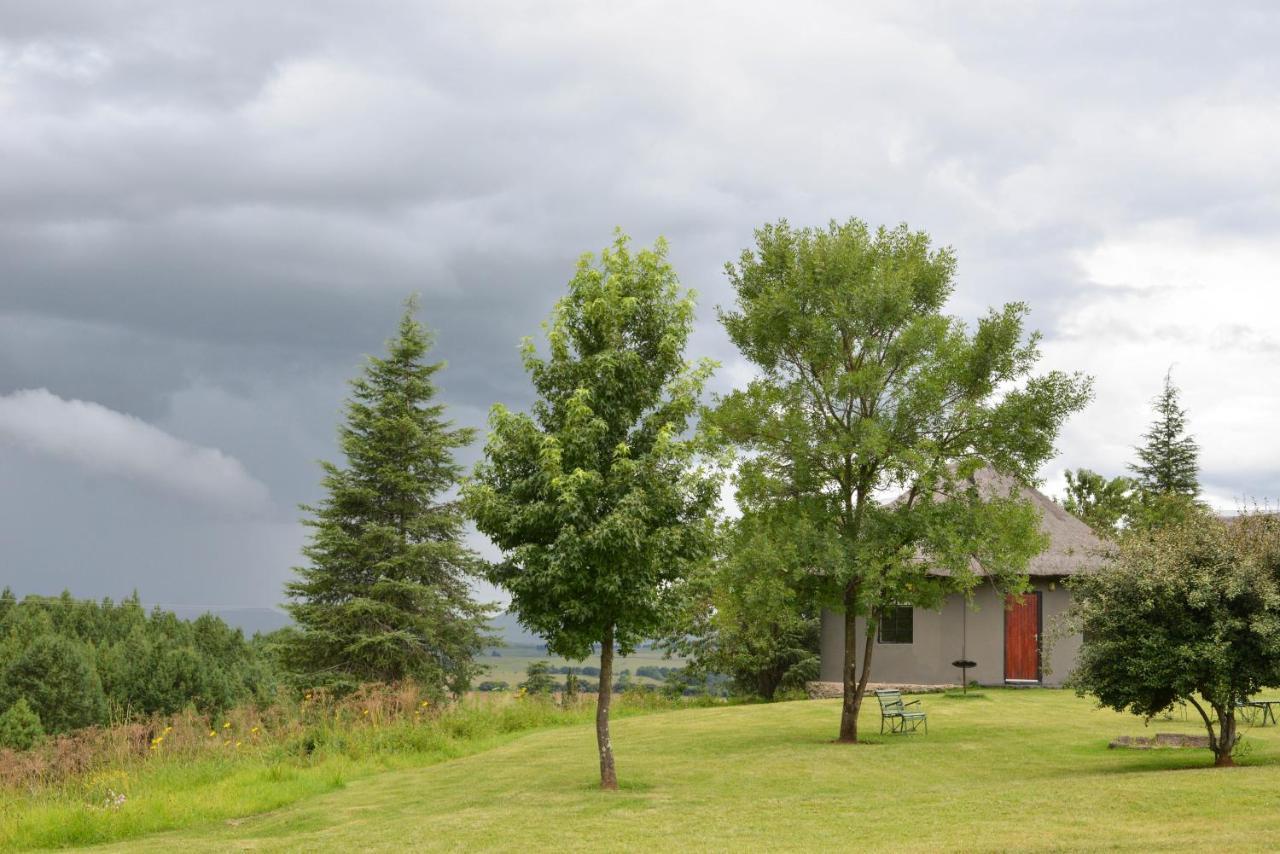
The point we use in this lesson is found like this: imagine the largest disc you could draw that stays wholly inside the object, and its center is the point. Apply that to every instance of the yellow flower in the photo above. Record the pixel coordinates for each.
(255, 729)
(425, 703)
(212, 733)
(168, 729)
(366, 711)
(237, 744)
(227, 725)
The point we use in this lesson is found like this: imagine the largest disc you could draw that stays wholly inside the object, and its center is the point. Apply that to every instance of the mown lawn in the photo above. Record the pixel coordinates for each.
(1016, 770)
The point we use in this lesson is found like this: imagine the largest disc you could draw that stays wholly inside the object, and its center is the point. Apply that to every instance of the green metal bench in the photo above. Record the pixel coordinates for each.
(901, 719)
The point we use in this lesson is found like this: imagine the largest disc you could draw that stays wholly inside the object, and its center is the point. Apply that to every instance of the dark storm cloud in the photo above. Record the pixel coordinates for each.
(209, 212)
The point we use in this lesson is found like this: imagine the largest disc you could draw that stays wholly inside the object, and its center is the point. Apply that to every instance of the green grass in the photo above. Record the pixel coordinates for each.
(1015, 770)
(182, 790)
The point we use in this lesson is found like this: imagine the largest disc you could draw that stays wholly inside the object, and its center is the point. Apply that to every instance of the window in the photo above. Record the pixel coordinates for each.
(896, 624)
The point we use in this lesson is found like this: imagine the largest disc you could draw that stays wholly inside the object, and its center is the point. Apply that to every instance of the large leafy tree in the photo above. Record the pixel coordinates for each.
(595, 497)
(385, 596)
(1190, 612)
(864, 386)
(1104, 504)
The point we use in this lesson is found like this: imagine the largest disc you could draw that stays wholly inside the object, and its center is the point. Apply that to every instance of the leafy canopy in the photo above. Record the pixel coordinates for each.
(595, 497)
(385, 596)
(1189, 611)
(1106, 505)
(866, 387)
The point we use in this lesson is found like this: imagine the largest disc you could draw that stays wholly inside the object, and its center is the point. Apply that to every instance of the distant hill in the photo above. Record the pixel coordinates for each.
(507, 627)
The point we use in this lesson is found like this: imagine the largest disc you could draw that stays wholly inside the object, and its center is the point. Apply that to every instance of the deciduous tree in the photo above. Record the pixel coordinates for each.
(1105, 505)
(595, 497)
(864, 387)
(1190, 612)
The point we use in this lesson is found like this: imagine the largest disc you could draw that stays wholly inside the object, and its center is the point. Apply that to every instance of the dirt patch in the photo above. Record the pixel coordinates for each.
(1160, 741)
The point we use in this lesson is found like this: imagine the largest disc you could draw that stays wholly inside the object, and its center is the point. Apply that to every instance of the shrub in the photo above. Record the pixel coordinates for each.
(20, 727)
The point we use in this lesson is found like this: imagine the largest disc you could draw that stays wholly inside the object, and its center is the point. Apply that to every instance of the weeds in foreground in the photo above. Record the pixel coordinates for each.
(119, 782)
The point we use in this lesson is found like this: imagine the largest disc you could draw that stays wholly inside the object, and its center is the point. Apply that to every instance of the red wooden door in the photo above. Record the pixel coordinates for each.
(1022, 638)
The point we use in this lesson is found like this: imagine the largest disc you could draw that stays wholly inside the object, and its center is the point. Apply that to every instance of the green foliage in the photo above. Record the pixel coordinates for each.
(1168, 461)
(385, 596)
(743, 615)
(538, 678)
(145, 663)
(594, 497)
(1105, 505)
(20, 727)
(865, 385)
(56, 677)
(1190, 611)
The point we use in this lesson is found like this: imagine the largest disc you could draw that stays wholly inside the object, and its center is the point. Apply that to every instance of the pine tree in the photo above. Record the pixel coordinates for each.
(1169, 460)
(386, 594)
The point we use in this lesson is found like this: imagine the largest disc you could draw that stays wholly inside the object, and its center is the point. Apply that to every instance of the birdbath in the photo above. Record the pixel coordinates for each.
(964, 664)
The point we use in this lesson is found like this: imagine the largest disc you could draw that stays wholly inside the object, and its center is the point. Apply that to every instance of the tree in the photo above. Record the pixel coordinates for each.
(1168, 462)
(20, 727)
(596, 498)
(744, 614)
(865, 385)
(56, 677)
(386, 596)
(1104, 505)
(537, 678)
(1190, 612)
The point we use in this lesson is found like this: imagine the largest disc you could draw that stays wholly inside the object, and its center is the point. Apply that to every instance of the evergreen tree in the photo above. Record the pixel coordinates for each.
(385, 596)
(20, 727)
(55, 675)
(1169, 459)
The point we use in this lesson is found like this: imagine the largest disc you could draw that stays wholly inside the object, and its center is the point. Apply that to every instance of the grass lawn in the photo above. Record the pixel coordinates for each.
(1023, 769)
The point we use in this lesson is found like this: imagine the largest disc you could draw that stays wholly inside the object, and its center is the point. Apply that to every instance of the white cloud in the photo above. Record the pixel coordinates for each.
(1168, 295)
(112, 443)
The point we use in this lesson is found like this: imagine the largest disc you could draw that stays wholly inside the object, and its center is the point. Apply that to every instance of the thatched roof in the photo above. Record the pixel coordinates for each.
(1073, 547)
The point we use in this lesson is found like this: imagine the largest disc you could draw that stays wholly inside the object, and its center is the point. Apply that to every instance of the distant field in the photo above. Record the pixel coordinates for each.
(1011, 770)
(510, 663)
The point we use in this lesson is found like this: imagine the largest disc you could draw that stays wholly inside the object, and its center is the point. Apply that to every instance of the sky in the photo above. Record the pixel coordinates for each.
(209, 212)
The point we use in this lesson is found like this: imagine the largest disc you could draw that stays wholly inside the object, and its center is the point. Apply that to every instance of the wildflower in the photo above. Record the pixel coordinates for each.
(254, 729)
(227, 725)
(237, 744)
(425, 703)
(168, 729)
(366, 711)
(212, 733)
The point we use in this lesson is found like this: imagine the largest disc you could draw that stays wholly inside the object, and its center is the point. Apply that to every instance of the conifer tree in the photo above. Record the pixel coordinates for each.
(1169, 459)
(386, 594)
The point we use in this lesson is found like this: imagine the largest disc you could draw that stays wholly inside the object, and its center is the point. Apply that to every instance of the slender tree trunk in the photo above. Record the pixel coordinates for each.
(608, 774)
(852, 700)
(1226, 738)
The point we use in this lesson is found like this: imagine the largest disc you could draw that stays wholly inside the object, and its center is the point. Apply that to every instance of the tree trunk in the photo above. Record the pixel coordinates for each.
(1226, 738)
(852, 698)
(608, 774)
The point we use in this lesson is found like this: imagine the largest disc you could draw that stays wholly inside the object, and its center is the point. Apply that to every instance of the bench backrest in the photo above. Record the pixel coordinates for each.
(890, 701)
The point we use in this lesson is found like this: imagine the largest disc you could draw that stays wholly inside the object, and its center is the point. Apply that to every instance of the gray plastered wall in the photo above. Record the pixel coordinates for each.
(946, 635)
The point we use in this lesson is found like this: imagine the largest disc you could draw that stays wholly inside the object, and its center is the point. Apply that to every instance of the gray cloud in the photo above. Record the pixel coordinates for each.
(208, 212)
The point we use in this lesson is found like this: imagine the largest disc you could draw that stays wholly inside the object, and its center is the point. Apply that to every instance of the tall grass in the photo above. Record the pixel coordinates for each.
(140, 777)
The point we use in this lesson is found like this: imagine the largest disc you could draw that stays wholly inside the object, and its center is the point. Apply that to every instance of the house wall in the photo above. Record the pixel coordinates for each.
(950, 633)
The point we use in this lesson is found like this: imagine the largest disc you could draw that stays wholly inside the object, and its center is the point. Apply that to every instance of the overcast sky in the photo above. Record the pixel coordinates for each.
(210, 211)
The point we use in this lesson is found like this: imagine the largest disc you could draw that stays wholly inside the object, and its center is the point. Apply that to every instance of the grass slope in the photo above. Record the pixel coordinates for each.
(1018, 769)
